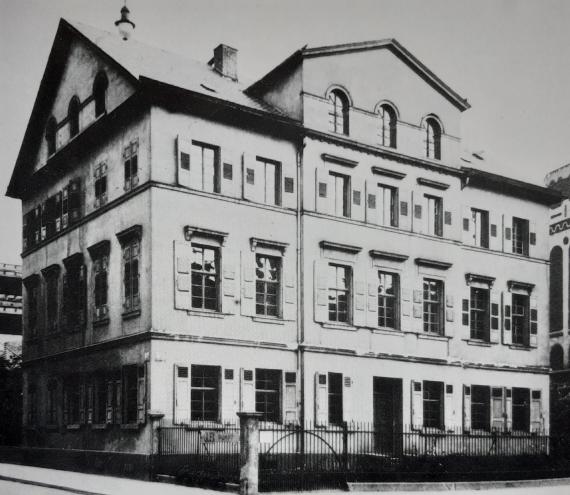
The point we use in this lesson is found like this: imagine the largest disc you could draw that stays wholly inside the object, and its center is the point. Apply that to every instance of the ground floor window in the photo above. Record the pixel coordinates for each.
(433, 404)
(267, 394)
(335, 398)
(521, 409)
(205, 392)
(480, 407)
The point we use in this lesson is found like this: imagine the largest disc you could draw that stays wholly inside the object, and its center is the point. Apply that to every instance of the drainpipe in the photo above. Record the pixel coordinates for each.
(300, 283)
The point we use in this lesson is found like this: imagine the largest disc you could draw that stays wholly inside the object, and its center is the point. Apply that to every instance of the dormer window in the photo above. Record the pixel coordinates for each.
(433, 138)
(73, 116)
(51, 129)
(338, 112)
(99, 93)
(388, 121)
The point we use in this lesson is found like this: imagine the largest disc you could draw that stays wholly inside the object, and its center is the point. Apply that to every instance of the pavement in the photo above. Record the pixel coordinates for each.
(28, 480)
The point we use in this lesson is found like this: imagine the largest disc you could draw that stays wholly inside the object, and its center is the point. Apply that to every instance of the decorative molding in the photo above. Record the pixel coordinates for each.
(515, 285)
(102, 248)
(440, 265)
(134, 232)
(335, 246)
(51, 270)
(256, 241)
(386, 172)
(73, 260)
(385, 255)
(190, 232)
(339, 160)
(483, 279)
(560, 226)
(442, 186)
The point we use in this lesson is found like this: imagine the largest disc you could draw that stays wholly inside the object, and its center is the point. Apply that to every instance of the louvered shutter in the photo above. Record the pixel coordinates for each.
(347, 399)
(494, 324)
(533, 248)
(109, 405)
(90, 403)
(249, 177)
(372, 202)
(467, 227)
(196, 167)
(466, 408)
(495, 229)
(497, 409)
(449, 313)
(507, 333)
(321, 291)
(417, 308)
(118, 405)
(359, 313)
(358, 208)
(289, 185)
(372, 299)
(405, 210)
(405, 308)
(229, 403)
(141, 394)
(247, 390)
(322, 193)
(509, 408)
(417, 402)
(229, 281)
(507, 234)
(289, 275)
(321, 399)
(65, 306)
(536, 411)
(82, 402)
(181, 394)
(183, 163)
(449, 407)
(82, 296)
(465, 314)
(182, 276)
(290, 413)
(229, 173)
(65, 404)
(533, 330)
(248, 283)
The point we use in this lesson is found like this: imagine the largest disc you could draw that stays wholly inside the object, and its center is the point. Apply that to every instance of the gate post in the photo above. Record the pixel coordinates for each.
(154, 417)
(249, 452)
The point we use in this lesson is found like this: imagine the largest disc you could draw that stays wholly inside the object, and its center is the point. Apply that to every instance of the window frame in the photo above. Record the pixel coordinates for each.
(433, 135)
(73, 111)
(388, 126)
(480, 228)
(201, 414)
(346, 194)
(436, 404)
(480, 314)
(204, 274)
(131, 165)
(520, 322)
(439, 305)
(481, 408)
(51, 136)
(100, 86)
(393, 208)
(520, 236)
(216, 179)
(338, 112)
(394, 297)
(434, 228)
(335, 398)
(521, 409)
(276, 415)
(347, 290)
(266, 283)
(262, 163)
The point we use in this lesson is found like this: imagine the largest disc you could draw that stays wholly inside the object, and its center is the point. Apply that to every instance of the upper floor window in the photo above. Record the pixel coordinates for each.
(74, 295)
(270, 181)
(521, 319)
(73, 116)
(267, 285)
(339, 293)
(51, 131)
(340, 194)
(32, 300)
(51, 276)
(480, 227)
(433, 138)
(388, 123)
(388, 292)
(100, 185)
(205, 174)
(387, 205)
(480, 318)
(434, 215)
(205, 277)
(520, 236)
(433, 306)
(130, 240)
(99, 93)
(131, 167)
(338, 112)
(52, 402)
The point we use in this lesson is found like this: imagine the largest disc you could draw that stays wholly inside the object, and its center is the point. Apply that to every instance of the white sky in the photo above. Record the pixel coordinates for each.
(509, 58)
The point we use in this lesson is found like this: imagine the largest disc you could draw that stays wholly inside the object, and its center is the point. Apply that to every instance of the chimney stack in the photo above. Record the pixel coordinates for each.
(225, 61)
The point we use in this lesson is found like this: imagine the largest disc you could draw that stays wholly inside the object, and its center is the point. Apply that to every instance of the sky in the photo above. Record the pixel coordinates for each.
(509, 58)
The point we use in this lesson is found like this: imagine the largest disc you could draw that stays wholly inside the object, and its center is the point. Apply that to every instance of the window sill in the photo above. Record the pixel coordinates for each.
(101, 323)
(133, 426)
(520, 347)
(430, 336)
(99, 426)
(268, 319)
(131, 314)
(52, 427)
(207, 313)
(480, 343)
(339, 326)
(73, 427)
(387, 331)
(558, 333)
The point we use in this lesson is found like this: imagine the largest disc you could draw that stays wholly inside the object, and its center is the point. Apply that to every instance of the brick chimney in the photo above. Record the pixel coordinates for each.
(225, 61)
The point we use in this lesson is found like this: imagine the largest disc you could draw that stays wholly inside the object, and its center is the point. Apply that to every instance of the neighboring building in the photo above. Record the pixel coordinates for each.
(10, 309)
(308, 247)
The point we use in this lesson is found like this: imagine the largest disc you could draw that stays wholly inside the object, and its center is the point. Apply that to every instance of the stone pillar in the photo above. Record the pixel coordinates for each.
(249, 452)
(154, 419)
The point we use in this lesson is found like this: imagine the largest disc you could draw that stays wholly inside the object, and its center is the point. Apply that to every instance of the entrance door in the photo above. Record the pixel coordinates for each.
(388, 415)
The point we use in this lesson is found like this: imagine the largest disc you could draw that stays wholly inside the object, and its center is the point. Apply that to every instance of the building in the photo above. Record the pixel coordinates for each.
(310, 247)
(10, 309)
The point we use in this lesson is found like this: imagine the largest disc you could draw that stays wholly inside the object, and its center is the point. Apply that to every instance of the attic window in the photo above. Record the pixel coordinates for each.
(73, 116)
(99, 91)
(208, 88)
(51, 129)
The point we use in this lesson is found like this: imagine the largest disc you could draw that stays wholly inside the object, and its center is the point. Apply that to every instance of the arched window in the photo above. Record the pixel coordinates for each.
(51, 130)
(73, 116)
(99, 91)
(556, 357)
(388, 120)
(433, 138)
(556, 289)
(338, 112)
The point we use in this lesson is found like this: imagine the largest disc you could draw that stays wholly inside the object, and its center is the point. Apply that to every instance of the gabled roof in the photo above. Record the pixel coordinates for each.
(391, 44)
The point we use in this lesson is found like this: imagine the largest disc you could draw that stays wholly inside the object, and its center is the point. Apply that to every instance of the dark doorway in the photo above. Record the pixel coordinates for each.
(388, 415)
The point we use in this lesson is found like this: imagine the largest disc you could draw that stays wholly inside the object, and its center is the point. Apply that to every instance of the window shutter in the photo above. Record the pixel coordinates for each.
(449, 410)
(182, 285)
(181, 394)
(117, 406)
(229, 281)
(468, 228)
(290, 414)
(141, 395)
(90, 403)
(65, 307)
(229, 404)
(497, 409)
(83, 296)
(507, 334)
(507, 234)
(372, 202)
(465, 314)
(347, 399)
(509, 408)
(494, 324)
(65, 404)
(532, 240)
(372, 300)
(405, 309)
(229, 179)
(536, 411)
(321, 399)
(249, 177)
(466, 408)
(359, 314)
(82, 402)
(449, 313)
(449, 229)
(321, 291)
(289, 184)
(405, 213)
(247, 390)
(109, 405)
(417, 405)
(418, 212)
(358, 200)
(289, 275)
(196, 166)
(74, 200)
(495, 228)
(533, 330)
(418, 309)
(322, 193)
(248, 284)
(183, 163)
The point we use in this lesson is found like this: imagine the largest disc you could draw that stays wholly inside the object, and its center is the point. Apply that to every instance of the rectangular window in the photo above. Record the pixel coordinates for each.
(433, 306)
(74, 296)
(52, 300)
(480, 408)
(267, 394)
(131, 165)
(433, 404)
(520, 236)
(387, 206)
(434, 215)
(206, 173)
(388, 292)
(270, 177)
(205, 277)
(33, 295)
(480, 227)
(339, 282)
(335, 398)
(100, 185)
(480, 314)
(72, 398)
(100, 406)
(131, 259)
(205, 393)
(100, 287)
(267, 285)
(521, 409)
(520, 319)
(340, 194)
(52, 402)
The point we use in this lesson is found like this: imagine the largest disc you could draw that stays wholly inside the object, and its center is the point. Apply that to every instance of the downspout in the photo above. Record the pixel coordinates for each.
(300, 282)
